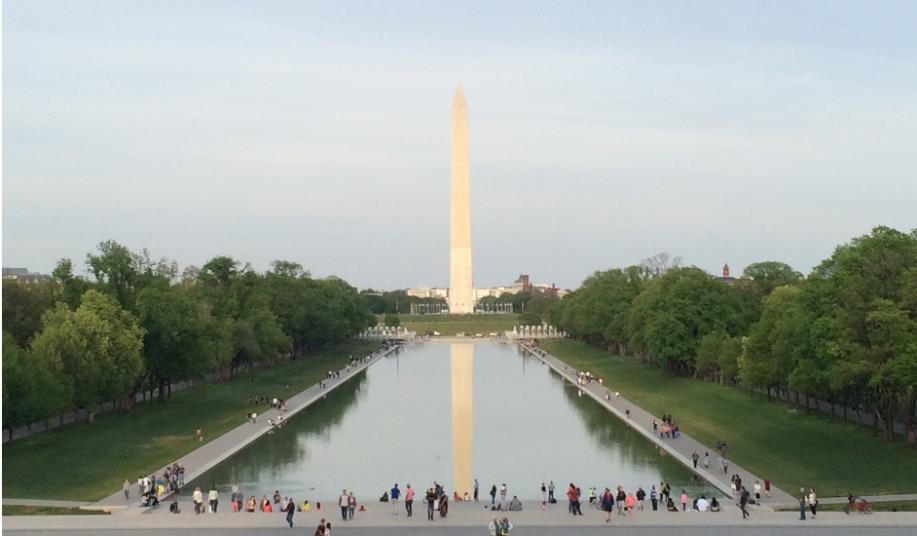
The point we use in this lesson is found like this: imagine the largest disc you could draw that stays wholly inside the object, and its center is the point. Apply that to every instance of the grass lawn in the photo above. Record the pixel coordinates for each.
(884, 506)
(17, 510)
(771, 439)
(88, 462)
(452, 324)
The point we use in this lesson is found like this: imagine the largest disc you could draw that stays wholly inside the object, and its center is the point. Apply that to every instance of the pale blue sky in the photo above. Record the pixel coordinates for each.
(600, 132)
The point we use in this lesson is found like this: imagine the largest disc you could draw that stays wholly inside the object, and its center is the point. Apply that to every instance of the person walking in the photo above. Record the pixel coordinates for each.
(607, 503)
(706, 460)
(396, 494)
(694, 457)
(544, 495)
(198, 499)
(743, 502)
(493, 495)
(551, 492)
(684, 500)
(431, 498)
(813, 501)
(619, 499)
(126, 488)
(475, 490)
(757, 489)
(654, 498)
(503, 496)
(344, 503)
(803, 499)
(351, 505)
(290, 509)
(641, 497)
(213, 499)
(409, 500)
(571, 498)
(492, 526)
(577, 506)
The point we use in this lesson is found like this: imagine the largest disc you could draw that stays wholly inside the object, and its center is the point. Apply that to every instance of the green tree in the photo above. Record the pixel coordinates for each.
(32, 386)
(115, 272)
(675, 311)
(23, 305)
(392, 321)
(98, 347)
(73, 287)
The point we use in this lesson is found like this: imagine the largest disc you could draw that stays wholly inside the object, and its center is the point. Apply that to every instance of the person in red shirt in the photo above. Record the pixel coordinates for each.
(409, 500)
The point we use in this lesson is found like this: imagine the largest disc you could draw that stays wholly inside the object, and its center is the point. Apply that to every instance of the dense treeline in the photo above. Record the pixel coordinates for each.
(846, 334)
(138, 325)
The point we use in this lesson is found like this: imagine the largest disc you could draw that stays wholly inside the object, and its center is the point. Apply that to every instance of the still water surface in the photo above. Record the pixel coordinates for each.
(449, 412)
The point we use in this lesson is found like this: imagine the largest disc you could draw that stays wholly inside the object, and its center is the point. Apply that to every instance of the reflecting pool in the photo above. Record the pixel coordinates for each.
(450, 412)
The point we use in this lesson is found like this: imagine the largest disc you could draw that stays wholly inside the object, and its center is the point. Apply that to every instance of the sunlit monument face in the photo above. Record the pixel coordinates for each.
(461, 295)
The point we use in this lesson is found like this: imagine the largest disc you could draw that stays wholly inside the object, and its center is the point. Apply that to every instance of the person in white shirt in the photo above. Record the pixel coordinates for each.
(198, 499)
(702, 504)
(757, 489)
(344, 503)
(213, 499)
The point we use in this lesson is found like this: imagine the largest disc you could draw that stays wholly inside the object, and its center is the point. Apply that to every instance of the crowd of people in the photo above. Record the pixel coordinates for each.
(153, 487)
(667, 428)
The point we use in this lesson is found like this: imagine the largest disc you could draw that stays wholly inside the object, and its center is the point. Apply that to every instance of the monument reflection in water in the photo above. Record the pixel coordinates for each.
(451, 412)
(462, 372)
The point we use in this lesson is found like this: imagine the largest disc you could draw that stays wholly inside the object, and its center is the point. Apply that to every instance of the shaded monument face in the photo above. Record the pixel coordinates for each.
(461, 294)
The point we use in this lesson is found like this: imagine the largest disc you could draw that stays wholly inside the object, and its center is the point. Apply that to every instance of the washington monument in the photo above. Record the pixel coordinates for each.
(461, 295)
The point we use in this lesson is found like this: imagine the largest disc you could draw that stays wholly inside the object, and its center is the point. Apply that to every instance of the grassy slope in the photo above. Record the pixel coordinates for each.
(770, 439)
(452, 324)
(17, 510)
(89, 462)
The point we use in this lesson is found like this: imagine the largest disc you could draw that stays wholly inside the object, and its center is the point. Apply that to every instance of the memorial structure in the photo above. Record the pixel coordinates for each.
(461, 291)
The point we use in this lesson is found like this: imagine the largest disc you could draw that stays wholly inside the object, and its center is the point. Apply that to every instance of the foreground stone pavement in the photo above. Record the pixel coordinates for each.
(462, 515)
(519, 531)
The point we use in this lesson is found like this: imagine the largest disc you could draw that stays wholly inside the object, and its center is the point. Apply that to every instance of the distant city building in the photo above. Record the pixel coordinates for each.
(521, 284)
(23, 275)
(428, 292)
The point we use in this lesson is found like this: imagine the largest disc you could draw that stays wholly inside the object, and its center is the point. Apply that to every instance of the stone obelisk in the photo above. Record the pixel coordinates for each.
(461, 293)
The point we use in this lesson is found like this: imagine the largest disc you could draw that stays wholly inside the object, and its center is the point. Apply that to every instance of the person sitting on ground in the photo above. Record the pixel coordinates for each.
(276, 496)
(466, 497)
(250, 505)
(174, 507)
(384, 497)
(306, 506)
(455, 496)
(714, 505)
(265, 504)
(701, 504)
(515, 505)
(670, 505)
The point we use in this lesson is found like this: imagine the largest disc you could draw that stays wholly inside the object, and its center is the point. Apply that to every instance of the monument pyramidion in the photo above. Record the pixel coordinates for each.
(461, 293)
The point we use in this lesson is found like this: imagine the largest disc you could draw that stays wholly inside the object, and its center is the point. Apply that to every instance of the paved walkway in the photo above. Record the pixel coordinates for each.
(470, 514)
(209, 455)
(679, 448)
(752, 530)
